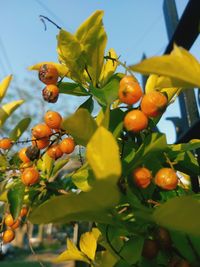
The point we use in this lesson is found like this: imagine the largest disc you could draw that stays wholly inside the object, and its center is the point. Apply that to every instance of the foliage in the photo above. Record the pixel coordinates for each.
(102, 189)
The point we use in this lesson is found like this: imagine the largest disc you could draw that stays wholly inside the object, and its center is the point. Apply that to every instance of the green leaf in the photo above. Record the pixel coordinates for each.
(45, 165)
(179, 213)
(80, 125)
(109, 67)
(88, 245)
(191, 145)
(72, 89)
(92, 36)
(102, 153)
(20, 128)
(61, 68)
(105, 259)
(132, 249)
(116, 122)
(15, 198)
(88, 104)
(103, 117)
(122, 263)
(71, 54)
(179, 65)
(109, 93)
(4, 86)
(58, 165)
(7, 109)
(72, 253)
(81, 178)
(85, 206)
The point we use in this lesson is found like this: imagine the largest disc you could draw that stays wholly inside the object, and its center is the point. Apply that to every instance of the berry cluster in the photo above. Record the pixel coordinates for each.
(11, 225)
(152, 104)
(48, 74)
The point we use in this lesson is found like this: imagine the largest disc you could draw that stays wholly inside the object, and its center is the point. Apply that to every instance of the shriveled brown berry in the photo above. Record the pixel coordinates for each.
(163, 238)
(8, 236)
(30, 176)
(5, 143)
(53, 119)
(150, 249)
(41, 131)
(32, 152)
(55, 152)
(22, 155)
(48, 74)
(50, 93)
(67, 145)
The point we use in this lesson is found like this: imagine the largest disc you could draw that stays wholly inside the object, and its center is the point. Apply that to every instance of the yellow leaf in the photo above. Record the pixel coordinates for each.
(96, 233)
(151, 83)
(172, 93)
(3, 196)
(7, 109)
(45, 164)
(184, 180)
(102, 153)
(61, 68)
(72, 253)
(88, 244)
(109, 67)
(4, 86)
(179, 65)
(80, 178)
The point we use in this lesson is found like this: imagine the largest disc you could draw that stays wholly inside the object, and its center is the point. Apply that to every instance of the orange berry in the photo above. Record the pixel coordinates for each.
(23, 212)
(16, 224)
(40, 143)
(130, 93)
(127, 79)
(53, 119)
(22, 155)
(166, 178)
(8, 236)
(30, 176)
(67, 145)
(9, 221)
(135, 121)
(55, 152)
(5, 143)
(153, 103)
(41, 130)
(142, 177)
(50, 93)
(48, 74)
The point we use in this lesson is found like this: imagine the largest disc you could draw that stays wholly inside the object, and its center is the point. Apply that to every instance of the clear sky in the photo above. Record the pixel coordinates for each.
(134, 27)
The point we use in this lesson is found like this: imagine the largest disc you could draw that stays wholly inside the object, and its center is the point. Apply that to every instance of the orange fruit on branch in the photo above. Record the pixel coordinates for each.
(40, 143)
(48, 74)
(153, 103)
(67, 145)
(9, 221)
(41, 130)
(30, 176)
(135, 121)
(142, 177)
(55, 152)
(50, 93)
(6, 143)
(23, 212)
(130, 93)
(127, 79)
(8, 236)
(166, 178)
(53, 119)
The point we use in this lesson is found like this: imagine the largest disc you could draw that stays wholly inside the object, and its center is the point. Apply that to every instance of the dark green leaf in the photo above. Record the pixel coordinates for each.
(72, 89)
(81, 126)
(88, 104)
(20, 128)
(15, 199)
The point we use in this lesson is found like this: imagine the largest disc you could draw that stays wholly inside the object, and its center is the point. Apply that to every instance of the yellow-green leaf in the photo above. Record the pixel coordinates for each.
(61, 68)
(71, 53)
(96, 233)
(93, 38)
(102, 153)
(45, 164)
(4, 86)
(88, 244)
(109, 67)
(151, 83)
(72, 253)
(81, 178)
(19, 129)
(7, 109)
(179, 65)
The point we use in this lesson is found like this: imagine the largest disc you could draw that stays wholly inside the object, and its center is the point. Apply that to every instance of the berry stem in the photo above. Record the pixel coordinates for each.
(42, 18)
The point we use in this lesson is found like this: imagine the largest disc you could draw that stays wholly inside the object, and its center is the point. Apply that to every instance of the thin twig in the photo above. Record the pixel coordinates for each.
(42, 18)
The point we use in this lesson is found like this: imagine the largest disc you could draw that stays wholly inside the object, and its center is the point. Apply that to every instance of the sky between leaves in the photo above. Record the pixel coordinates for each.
(133, 28)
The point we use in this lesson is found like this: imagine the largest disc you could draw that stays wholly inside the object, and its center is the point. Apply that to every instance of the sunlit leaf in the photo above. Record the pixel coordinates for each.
(151, 83)
(15, 198)
(4, 86)
(61, 68)
(96, 233)
(103, 117)
(180, 65)
(20, 128)
(7, 109)
(180, 213)
(45, 164)
(80, 125)
(191, 145)
(92, 36)
(105, 258)
(109, 67)
(81, 178)
(72, 89)
(71, 54)
(102, 153)
(72, 253)
(88, 245)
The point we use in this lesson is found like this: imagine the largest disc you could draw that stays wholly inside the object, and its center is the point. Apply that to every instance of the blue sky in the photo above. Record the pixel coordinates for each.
(134, 27)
